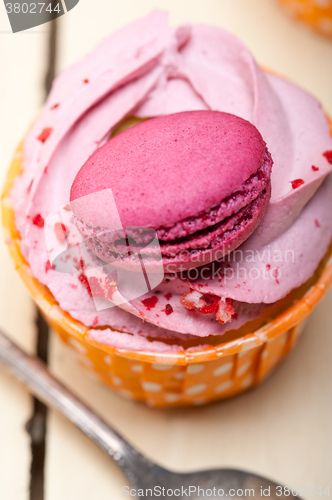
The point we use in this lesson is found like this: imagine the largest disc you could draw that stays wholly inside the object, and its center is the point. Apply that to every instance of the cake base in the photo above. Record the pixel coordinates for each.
(192, 377)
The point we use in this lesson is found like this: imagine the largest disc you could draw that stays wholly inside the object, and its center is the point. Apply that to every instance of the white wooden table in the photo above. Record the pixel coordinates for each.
(282, 429)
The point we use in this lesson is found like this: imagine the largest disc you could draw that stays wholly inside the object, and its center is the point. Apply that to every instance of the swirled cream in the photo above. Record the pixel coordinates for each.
(150, 69)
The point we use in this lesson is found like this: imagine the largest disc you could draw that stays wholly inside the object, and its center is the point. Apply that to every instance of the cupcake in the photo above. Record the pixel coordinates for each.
(203, 280)
(315, 13)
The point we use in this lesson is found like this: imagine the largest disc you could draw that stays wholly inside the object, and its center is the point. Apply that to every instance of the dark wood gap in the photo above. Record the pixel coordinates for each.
(37, 425)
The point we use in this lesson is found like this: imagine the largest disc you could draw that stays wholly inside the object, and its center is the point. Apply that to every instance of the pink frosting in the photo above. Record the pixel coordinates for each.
(148, 69)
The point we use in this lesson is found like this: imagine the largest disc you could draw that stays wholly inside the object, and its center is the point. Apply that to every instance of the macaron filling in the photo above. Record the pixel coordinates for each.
(220, 236)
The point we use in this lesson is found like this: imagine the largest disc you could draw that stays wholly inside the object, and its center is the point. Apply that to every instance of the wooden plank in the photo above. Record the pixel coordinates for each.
(75, 467)
(21, 90)
(279, 430)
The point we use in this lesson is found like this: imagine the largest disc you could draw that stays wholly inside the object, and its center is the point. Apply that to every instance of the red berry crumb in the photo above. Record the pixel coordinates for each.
(38, 220)
(317, 223)
(60, 231)
(44, 135)
(328, 156)
(314, 168)
(84, 280)
(168, 309)
(150, 302)
(275, 274)
(48, 266)
(54, 106)
(297, 183)
(86, 80)
(168, 296)
(95, 321)
(212, 304)
(78, 264)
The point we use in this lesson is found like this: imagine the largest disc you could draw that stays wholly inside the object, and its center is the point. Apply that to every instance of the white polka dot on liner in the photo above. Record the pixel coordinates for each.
(179, 376)
(77, 345)
(137, 368)
(85, 361)
(161, 367)
(222, 369)
(243, 368)
(199, 401)
(224, 387)
(247, 381)
(151, 386)
(265, 354)
(195, 389)
(108, 360)
(172, 398)
(192, 369)
(116, 380)
(323, 3)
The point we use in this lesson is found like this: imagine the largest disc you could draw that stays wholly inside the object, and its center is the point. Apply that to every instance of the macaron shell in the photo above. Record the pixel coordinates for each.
(170, 168)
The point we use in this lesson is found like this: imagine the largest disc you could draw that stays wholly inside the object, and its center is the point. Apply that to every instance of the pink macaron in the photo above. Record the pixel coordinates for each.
(187, 188)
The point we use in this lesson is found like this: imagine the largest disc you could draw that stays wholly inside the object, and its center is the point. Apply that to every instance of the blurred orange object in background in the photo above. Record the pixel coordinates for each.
(316, 13)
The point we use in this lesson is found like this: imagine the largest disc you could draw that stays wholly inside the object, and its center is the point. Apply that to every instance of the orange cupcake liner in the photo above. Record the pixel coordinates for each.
(191, 377)
(316, 13)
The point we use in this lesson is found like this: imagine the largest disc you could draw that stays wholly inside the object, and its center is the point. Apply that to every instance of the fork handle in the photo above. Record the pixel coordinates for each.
(34, 374)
